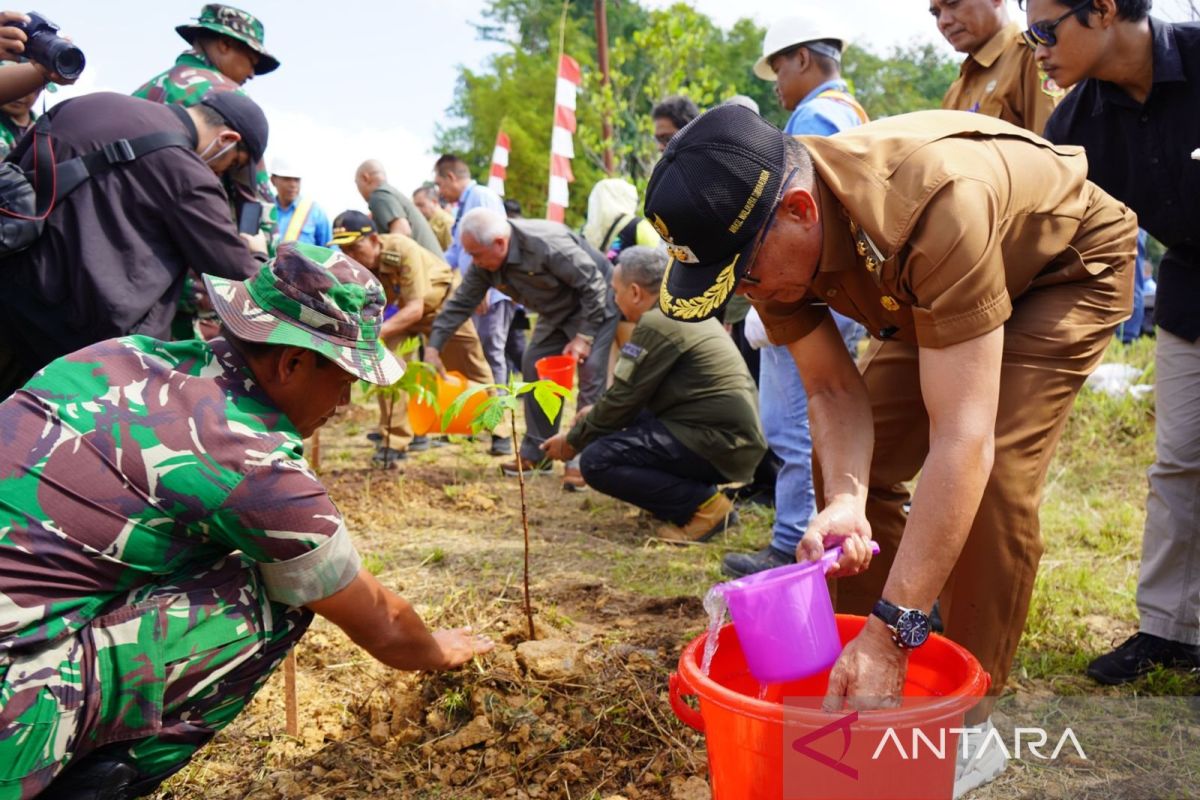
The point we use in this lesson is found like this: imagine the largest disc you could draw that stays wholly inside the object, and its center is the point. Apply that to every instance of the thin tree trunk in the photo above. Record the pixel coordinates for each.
(524, 525)
(387, 434)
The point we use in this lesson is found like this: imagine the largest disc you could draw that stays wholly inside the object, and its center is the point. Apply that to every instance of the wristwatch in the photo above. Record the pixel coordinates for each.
(909, 626)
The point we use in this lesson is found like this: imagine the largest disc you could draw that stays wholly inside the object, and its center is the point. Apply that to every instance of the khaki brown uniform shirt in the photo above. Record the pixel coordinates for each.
(407, 271)
(1003, 80)
(442, 225)
(936, 222)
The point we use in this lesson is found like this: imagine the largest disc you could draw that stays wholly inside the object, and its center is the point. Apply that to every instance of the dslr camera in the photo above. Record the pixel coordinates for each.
(44, 46)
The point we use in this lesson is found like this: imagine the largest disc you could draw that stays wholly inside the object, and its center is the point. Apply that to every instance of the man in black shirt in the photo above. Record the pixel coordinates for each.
(114, 252)
(1135, 108)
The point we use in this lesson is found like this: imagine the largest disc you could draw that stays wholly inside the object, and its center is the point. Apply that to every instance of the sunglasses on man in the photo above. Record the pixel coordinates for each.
(1042, 33)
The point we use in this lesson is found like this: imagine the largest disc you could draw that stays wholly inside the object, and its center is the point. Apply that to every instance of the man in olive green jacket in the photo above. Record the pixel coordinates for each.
(680, 418)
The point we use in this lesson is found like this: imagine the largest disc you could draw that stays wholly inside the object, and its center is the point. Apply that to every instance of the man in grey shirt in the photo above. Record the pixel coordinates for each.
(391, 210)
(553, 272)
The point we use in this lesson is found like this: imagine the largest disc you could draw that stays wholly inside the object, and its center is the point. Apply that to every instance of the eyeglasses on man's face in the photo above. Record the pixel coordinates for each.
(748, 278)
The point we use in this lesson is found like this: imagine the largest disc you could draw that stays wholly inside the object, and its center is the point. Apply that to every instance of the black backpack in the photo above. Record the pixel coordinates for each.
(21, 221)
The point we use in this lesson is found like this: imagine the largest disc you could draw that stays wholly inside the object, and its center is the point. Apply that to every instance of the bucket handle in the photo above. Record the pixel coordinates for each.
(677, 688)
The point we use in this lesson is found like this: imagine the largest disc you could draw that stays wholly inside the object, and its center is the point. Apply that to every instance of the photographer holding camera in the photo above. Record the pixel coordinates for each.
(51, 58)
(111, 257)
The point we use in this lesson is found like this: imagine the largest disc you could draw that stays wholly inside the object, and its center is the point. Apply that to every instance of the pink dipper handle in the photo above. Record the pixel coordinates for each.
(834, 553)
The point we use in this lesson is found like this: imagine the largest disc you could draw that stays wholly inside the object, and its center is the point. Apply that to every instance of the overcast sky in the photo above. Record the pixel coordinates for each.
(362, 79)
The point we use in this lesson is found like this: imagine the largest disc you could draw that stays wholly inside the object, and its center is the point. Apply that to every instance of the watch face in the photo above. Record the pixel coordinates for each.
(912, 629)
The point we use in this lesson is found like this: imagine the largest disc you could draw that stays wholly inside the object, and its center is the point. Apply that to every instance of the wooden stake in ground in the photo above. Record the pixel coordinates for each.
(289, 691)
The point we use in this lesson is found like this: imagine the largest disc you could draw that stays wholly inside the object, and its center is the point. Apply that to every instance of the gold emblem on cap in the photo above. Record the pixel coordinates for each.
(700, 307)
(889, 303)
(661, 227)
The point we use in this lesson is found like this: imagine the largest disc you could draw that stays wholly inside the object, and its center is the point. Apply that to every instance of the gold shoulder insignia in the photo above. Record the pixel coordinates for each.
(1050, 88)
(702, 307)
(388, 258)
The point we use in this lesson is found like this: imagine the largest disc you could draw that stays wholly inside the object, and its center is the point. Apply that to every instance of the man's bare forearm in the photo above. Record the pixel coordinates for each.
(943, 510)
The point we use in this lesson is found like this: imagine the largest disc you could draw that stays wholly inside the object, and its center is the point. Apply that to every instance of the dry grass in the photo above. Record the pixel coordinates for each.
(444, 531)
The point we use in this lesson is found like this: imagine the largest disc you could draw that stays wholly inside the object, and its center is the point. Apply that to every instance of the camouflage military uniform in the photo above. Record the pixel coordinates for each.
(160, 530)
(194, 76)
(186, 84)
(9, 134)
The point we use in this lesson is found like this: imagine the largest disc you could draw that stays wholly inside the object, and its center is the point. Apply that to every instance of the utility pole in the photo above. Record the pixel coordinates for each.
(602, 49)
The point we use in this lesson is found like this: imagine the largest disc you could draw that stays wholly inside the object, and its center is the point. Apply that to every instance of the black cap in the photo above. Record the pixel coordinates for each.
(349, 227)
(244, 116)
(708, 197)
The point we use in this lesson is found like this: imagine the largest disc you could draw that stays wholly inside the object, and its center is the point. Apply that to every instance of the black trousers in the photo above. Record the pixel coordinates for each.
(647, 466)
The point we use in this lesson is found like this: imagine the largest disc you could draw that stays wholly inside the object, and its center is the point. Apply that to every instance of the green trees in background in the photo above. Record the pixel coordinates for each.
(652, 54)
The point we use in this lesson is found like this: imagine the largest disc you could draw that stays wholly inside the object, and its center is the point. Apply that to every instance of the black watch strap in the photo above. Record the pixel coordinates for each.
(910, 627)
(888, 612)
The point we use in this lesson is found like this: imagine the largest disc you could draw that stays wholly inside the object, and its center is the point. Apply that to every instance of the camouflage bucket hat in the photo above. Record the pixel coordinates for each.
(314, 298)
(236, 24)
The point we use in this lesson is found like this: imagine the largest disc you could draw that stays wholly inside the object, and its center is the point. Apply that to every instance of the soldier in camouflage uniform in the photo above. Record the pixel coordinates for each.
(226, 51)
(163, 542)
(16, 117)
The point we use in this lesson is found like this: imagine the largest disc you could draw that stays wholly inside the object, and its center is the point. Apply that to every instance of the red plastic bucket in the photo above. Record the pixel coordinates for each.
(560, 369)
(784, 747)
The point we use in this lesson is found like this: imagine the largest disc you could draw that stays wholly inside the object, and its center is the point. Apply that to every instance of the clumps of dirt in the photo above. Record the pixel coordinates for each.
(566, 716)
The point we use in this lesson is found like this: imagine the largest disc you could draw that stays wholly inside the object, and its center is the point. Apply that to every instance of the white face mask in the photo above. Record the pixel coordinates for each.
(210, 159)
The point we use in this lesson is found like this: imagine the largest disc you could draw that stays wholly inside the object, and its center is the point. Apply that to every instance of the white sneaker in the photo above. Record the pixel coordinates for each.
(986, 757)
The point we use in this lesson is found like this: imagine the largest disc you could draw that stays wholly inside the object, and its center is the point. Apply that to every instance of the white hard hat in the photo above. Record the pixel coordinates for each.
(283, 168)
(789, 32)
(745, 102)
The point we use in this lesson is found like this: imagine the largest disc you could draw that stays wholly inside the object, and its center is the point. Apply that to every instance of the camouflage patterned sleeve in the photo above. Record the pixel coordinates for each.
(281, 516)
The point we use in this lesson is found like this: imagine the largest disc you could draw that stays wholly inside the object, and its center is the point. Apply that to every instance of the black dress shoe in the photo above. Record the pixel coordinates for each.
(737, 565)
(1140, 654)
(106, 775)
(419, 444)
(387, 456)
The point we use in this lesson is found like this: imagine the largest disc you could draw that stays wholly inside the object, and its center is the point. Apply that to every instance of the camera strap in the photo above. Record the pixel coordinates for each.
(79, 169)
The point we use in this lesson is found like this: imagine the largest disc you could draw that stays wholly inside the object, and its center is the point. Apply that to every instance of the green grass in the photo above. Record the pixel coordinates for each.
(666, 570)
(1092, 514)
(374, 563)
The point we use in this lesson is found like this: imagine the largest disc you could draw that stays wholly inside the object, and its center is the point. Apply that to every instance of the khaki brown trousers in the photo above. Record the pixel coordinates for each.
(1055, 337)
(462, 353)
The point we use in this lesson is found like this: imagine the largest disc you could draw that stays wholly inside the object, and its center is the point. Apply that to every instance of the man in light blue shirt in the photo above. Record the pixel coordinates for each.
(804, 60)
(298, 219)
(455, 185)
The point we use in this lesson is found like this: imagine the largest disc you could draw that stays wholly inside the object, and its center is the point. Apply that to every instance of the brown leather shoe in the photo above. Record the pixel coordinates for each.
(573, 481)
(543, 467)
(713, 516)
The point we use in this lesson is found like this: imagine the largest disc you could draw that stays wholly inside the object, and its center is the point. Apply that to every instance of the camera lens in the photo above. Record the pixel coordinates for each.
(69, 62)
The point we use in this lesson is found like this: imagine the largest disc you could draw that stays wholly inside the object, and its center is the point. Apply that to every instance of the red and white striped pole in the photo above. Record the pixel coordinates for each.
(499, 164)
(562, 147)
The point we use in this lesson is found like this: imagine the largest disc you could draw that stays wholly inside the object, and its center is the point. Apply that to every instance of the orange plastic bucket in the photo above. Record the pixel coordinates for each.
(784, 747)
(425, 419)
(560, 369)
